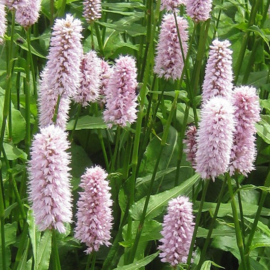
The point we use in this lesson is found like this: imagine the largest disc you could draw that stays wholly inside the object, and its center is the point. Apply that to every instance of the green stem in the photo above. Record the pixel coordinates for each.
(210, 230)
(2, 221)
(56, 260)
(88, 261)
(198, 219)
(257, 216)
(76, 121)
(61, 11)
(117, 140)
(51, 12)
(100, 44)
(56, 109)
(163, 143)
(181, 146)
(93, 261)
(236, 224)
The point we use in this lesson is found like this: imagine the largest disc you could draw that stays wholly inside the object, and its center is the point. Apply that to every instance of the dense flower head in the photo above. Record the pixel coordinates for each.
(215, 138)
(121, 94)
(169, 60)
(247, 113)
(218, 74)
(91, 10)
(199, 10)
(16, 4)
(191, 145)
(90, 79)
(171, 5)
(177, 231)
(94, 210)
(106, 72)
(3, 21)
(47, 100)
(28, 14)
(49, 188)
(65, 56)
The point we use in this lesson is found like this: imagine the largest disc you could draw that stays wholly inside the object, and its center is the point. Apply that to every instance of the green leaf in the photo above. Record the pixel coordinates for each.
(157, 202)
(23, 262)
(263, 129)
(117, 6)
(87, 122)
(44, 251)
(260, 240)
(138, 264)
(202, 232)
(207, 265)
(13, 152)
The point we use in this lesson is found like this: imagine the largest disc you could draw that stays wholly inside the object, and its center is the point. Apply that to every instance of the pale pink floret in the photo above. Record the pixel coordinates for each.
(247, 113)
(191, 145)
(49, 188)
(177, 231)
(171, 5)
(106, 72)
(47, 101)
(121, 94)
(28, 14)
(218, 74)
(199, 10)
(215, 138)
(169, 60)
(65, 56)
(94, 210)
(3, 21)
(91, 10)
(16, 4)
(90, 79)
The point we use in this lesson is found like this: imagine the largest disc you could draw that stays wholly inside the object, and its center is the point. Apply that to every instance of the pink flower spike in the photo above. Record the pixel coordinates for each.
(16, 4)
(199, 10)
(171, 5)
(169, 60)
(218, 74)
(3, 22)
(49, 188)
(177, 231)
(65, 57)
(247, 113)
(215, 138)
(94, 210)
(91, 10)
(90, 80)
(28, 14)
(106, 72)
(121, 95)
(191, 145)
(47, 100)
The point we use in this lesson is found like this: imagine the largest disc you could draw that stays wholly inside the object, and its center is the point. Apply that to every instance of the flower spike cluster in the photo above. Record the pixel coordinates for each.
(106, 72)
(16, 4)
(171, 5)
(191, 145)
(218, 74)
(215, 138)
(199, 10)
(91, 10)
(169, 59)
(3, 21)
(28, 14)
(121, 95)
(247, 113)
(90, 79)
(177, 231)
(94, 210)
(49, 188)
(65, 57)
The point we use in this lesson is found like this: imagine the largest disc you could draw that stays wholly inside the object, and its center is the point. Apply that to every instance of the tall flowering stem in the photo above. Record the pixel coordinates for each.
(171, 5)
(121, 97)
(94, 210)
(49, 188)
(215, 138)
(177, 231)
(91, 10)
(199, 10)
(218, 73)
(169, 61)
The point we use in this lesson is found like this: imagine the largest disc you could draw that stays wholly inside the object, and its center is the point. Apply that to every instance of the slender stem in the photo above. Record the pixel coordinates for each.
(93, 261)
(117, 140)
(210, 230)
(79, 108)
(56, 109)
(56, 260)
(100, 43)
(88, 261)
(236, 224)
(2, 221)
(198, 219)
(51, 12)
